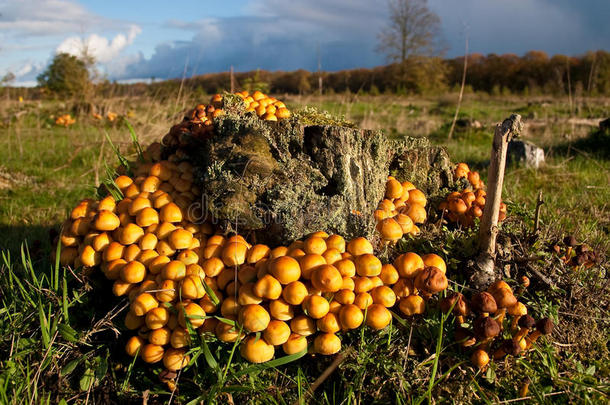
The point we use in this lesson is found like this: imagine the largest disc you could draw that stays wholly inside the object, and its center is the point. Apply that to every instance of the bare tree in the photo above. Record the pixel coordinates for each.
(412, 30)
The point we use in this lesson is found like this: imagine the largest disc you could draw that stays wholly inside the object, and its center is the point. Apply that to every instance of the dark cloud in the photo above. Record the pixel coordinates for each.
(281, 36)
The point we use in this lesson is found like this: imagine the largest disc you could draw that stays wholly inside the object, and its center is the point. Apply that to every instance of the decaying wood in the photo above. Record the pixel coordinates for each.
(484, 271)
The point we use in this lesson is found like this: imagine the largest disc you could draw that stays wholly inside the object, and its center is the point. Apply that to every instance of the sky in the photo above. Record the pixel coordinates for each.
(134, 40)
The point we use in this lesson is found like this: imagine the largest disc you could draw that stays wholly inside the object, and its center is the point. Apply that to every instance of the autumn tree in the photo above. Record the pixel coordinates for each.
(412, 30)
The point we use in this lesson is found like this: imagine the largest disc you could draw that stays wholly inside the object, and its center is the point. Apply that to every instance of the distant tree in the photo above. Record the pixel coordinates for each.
(412, 30)
(7, 79)
(66, 76)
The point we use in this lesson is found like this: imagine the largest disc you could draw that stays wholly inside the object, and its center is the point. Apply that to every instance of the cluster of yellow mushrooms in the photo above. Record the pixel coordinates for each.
(401, 210)
(265, 107)
(178, 274)
(65, 120)
(465, 206)
(494, 323)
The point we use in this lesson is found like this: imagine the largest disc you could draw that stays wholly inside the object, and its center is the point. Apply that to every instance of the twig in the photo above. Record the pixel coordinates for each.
(459, 103)
(541, 276)
(329, 370)
(539, 203)
(550, 394)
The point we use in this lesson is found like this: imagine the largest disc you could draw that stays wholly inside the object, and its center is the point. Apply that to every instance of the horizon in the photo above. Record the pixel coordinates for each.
(135, 42)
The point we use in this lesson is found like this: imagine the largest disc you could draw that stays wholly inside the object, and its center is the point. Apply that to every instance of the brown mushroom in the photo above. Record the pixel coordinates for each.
(484, 303)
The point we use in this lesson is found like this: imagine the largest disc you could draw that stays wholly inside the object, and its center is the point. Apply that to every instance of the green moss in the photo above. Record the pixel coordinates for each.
(309, 116)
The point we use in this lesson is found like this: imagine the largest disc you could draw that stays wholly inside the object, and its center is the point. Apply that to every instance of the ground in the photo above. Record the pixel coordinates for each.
(57, 343)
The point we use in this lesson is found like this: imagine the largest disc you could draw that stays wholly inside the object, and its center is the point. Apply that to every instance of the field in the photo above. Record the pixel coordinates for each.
(57, 344)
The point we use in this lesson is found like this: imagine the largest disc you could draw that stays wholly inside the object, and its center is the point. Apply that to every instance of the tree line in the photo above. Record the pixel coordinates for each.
(531, 74)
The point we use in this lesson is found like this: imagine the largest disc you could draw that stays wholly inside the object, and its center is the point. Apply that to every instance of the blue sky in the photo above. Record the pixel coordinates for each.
(133, 39)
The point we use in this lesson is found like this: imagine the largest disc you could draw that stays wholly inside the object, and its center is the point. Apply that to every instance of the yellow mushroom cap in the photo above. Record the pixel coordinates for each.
(309, 263)
(280, 309)
(285, 269)
(412, 305)
(234, 254)
(175, 359)
(277, 333)
(383, 295)
(194, 313)
(170, 213)
(151, 353)
(157, 318)
(296, 343)
(303, 325)
(327, 344)
(254, 317)
(390, 229)
(106, 221)
(180, 239)
(294, 293)
(327, 278)
(143, 303)
(268, 287)
(409, 264)
(378, 316)
(393, 189)
(368, 265)
(435, 260)
(329, 323)
(134, 345)
(256, 350)
(359, 246)
(133, 272)
(350, 316)
(316, 306)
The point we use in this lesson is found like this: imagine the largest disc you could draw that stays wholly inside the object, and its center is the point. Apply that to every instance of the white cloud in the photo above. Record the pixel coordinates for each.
(102, 49)
(46, 17)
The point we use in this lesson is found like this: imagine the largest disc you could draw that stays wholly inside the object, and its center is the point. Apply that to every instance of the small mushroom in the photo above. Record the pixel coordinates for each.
(543, 327)
(459, 304)
(484, 303)
(464, 337)
(486, 328)
(525, 323)
(509, 347)
(480, 358)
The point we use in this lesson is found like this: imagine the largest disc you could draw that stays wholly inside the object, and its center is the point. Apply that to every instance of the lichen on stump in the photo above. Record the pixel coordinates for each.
(281, 180)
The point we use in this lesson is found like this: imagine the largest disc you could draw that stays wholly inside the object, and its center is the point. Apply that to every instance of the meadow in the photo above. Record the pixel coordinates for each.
(58, 341)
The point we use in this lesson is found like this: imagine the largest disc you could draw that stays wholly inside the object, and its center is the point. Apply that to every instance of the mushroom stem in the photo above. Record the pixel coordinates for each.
(513, 323)
(532, 338)
(521, 334)
(499, 316)
(460, 319)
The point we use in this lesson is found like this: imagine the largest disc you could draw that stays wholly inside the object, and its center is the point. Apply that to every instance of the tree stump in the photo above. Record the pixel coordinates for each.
(278, 181)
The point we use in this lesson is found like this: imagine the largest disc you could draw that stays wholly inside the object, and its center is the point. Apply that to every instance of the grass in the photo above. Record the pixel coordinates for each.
(59, 342)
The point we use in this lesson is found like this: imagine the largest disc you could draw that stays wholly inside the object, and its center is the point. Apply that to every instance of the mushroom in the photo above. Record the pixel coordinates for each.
(194, 313)
(389, 229)
(280, 309)
(303, 325)
(285, 269)
(480, 358)
(485, 328)
(350, 316)
(383, 295)
(378, 316)
(329, 323)
(458, 303)
(484, 303)
(431, 280)
(295, 344)
(412, 305)
(359, 246)
(256, 350)
(464, 337)
(510, 347)
(316, 306)
(516, 312)
(525, 323)
(143, 303)
(409, 264)
(543, 327)
(175, 359)
(327, 278)
(295, 293)
(157, 318)
(327, 344)
(277, 332)
(368, 265)
(152, 353)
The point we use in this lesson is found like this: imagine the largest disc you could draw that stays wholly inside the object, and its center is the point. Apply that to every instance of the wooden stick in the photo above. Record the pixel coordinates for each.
(484, 265)
(329, 370)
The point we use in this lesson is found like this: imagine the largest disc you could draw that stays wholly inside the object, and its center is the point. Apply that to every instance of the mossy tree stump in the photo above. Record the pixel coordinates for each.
(278, 181)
